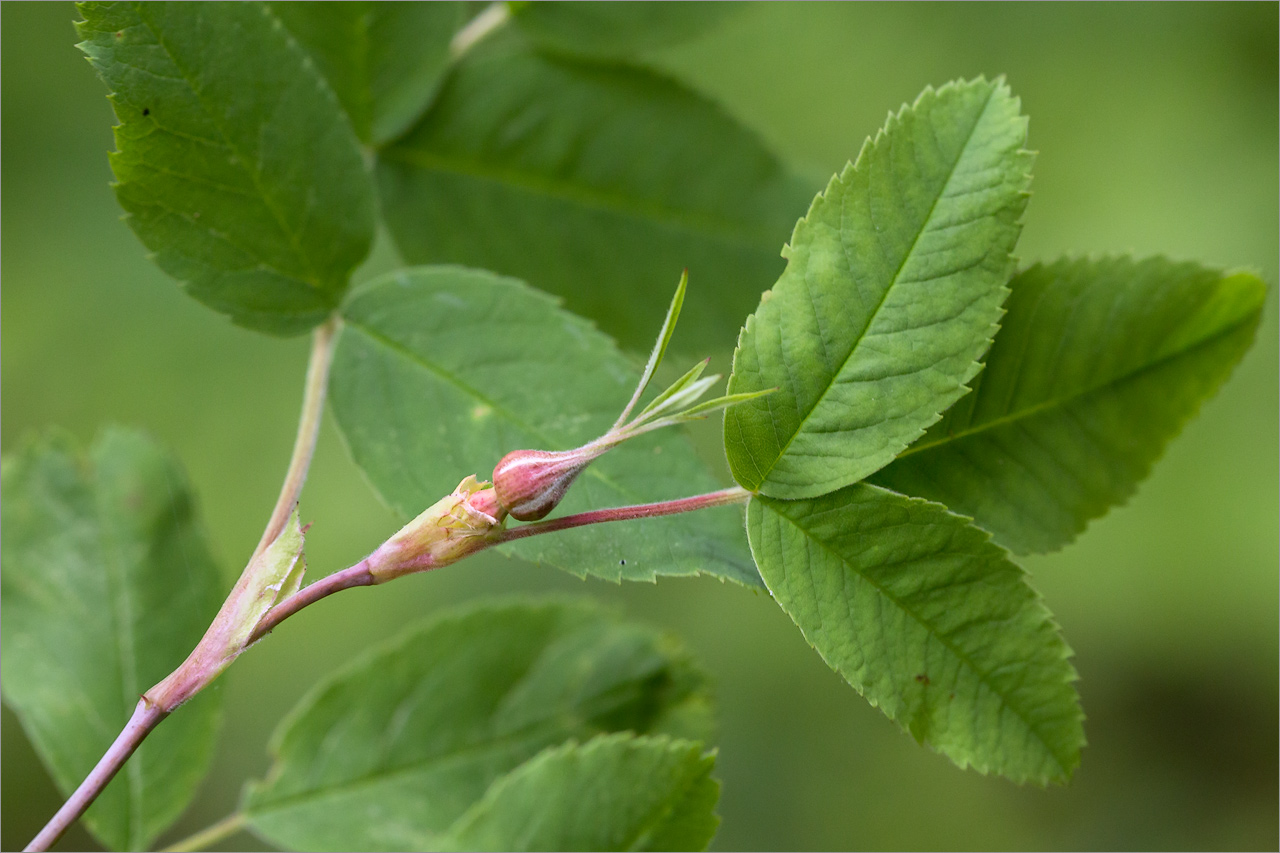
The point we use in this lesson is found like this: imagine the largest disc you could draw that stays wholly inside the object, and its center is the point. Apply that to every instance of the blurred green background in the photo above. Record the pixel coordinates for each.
(1157, 131)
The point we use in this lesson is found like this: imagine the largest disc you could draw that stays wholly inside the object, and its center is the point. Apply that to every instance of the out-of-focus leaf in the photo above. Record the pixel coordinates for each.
(234, 161)
(930, 621)
(619, 28)
(107, 585)
(598, 182)
(441, 371)
(617, 792)
(384, 61)
(892, 292)
(1098, 365)
(387, 753)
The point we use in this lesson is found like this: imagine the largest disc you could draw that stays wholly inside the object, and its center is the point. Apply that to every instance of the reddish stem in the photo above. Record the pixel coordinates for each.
(357, 575)
(145, 718)
(626, 513)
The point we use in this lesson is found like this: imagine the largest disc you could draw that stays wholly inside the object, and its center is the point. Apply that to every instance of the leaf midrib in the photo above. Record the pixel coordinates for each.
(871, 316)
(741, 235)
(983, 677)
(1068, 399)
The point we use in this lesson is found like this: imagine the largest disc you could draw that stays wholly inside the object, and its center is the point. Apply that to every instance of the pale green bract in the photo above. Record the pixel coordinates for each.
(387, 753)
(892, 292)
(1098, 365)
(441, 371)
(384, 61)
(215, 102)
(595, 181)
(616, 792)
(107, 584)
(930, 621)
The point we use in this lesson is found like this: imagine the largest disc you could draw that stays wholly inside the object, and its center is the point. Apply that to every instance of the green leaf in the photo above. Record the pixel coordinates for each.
(1099, 364)
(617, 792)
(930, 621)
(384, 61)
(892, 290)
(598, 182)
(388, 752)
(234, 161)
(441, 371)
(107, 585)
(617, 28)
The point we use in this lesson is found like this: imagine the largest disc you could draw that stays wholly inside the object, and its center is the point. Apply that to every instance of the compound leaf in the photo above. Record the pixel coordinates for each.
(235, 163)
(1099, 364)
(388, 752)
(107, 585)
(892, 292)
(616, 792)
(441, 371)
(595, 181)
(384, 61)
(614, 29)
(930, 621)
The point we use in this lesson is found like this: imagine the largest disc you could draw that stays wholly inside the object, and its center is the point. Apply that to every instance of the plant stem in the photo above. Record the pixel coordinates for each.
(353, 576)
(478, 27)
(626, 513)
(145, 718)
(304, 444)
(216, 832)
(148, 714)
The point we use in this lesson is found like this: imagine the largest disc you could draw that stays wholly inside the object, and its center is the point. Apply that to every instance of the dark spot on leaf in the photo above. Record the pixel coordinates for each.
(622, 562)
(952, 696)
(923, 679)
(146, 111)
(119, 33)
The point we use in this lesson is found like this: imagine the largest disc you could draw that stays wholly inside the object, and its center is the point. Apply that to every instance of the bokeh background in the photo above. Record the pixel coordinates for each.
(1157, 131)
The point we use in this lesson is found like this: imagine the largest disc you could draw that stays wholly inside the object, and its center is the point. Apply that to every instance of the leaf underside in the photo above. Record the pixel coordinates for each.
(389, 752)
(107, 585)
(930, 621)
(441, 371)
(595, 181)
(215, 101)
(1098, 364)
(892, 292)
(616, 792)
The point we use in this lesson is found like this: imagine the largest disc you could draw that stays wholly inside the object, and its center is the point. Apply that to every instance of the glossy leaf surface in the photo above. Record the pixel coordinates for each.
(107, 585)
(595, 181)
(388, 752)
(1098, 365)
(892, 292)
(217, 105)
(384, 61)
(616, 792)
(930, 621)
(441, 371)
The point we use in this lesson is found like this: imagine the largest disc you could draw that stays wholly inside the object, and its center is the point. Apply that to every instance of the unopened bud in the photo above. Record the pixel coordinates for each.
(448, 530)
(529, 483)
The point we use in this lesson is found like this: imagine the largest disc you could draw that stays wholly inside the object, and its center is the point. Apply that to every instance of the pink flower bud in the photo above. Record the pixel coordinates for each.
(529, 483)
(486, 501)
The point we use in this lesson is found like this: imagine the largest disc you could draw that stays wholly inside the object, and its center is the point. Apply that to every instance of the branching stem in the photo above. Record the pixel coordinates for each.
(148, 714)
